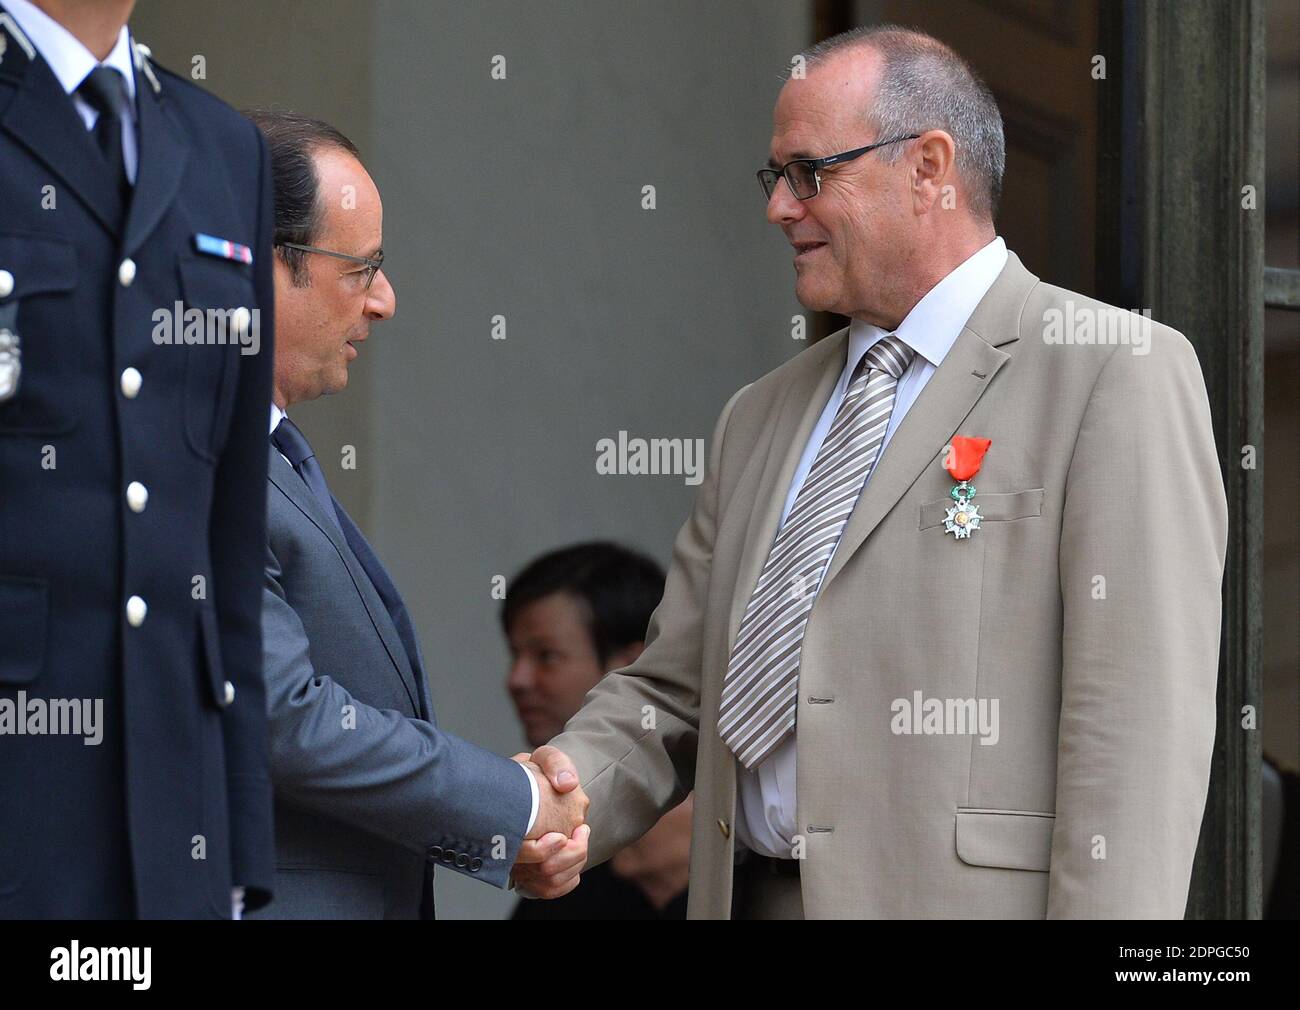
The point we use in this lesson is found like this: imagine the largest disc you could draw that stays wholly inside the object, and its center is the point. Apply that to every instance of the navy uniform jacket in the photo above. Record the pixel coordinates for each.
(173, 806)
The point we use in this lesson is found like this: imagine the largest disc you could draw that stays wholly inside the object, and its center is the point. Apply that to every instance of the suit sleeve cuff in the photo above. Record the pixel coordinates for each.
(532, 785)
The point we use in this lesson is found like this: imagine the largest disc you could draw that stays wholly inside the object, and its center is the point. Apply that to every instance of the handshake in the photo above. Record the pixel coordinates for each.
(553, 854)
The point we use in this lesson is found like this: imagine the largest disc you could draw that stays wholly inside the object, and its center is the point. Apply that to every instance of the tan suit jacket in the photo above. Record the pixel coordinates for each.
(1087, 605)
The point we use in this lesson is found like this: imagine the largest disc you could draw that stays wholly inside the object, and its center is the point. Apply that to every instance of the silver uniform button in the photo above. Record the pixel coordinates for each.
(229, 694)
(136, 608)
(6, 283)
(126, 272)
(131, 381)
(137, 496)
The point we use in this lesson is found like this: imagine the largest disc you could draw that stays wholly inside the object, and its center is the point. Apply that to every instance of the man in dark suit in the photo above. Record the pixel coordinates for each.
(135, 363)
(371, 794)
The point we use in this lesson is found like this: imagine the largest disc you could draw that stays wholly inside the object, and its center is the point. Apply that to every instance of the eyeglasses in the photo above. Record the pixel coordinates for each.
(373, 264)
(802, 175)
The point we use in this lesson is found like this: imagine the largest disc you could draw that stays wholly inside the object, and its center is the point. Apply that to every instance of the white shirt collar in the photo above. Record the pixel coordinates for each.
(936, 321)
(276, 415)
(67, 57)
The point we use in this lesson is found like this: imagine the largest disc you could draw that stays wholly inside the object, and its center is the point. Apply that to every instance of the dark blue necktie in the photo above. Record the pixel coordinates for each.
(293, 445)
(104, 90)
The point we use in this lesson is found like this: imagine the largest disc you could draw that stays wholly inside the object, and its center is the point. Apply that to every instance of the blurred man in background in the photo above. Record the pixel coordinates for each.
(570, 617)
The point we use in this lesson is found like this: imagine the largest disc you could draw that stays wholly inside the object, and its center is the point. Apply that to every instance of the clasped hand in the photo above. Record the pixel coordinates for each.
(553, 854)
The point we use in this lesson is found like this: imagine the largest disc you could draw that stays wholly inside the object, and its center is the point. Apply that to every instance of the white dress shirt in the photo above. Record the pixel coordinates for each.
(71, 62)
(276, 415)
(765, 800)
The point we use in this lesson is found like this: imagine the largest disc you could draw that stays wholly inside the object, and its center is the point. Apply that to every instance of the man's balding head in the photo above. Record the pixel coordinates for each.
(886, 226)
(918, 83)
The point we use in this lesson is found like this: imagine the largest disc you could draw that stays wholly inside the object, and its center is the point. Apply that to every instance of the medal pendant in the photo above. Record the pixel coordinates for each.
(963, 518)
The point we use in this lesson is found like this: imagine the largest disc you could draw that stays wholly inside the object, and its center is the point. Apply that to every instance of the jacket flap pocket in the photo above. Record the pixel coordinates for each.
(216, 284)
(37, 264)
(993, 507)
(24, 619)
(1013, 839)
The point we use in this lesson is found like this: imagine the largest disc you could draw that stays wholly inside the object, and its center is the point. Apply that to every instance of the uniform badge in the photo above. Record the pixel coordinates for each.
(222, 248)
(962, 461)
(13, 31)
(11, 354)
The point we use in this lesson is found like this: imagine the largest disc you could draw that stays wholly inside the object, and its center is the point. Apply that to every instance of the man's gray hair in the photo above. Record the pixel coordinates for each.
(925, 85)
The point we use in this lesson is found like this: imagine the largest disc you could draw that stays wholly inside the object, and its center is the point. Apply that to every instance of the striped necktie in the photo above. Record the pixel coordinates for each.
(760, 692)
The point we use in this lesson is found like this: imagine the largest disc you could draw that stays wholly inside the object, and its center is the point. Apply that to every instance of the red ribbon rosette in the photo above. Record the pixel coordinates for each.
(967, 454)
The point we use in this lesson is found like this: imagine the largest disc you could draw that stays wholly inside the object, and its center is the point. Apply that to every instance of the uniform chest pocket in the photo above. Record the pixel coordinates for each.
(993, 507)
(40, 334)
(221, 325)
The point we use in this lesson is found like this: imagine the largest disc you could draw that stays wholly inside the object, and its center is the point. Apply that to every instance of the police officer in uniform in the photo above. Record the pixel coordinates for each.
(135, 374)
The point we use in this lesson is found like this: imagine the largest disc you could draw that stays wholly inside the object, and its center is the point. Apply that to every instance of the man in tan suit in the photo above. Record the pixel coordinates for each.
(893, 695)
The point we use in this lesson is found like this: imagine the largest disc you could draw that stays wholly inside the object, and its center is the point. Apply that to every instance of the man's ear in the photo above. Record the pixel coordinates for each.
(934, 180)
(625, 656)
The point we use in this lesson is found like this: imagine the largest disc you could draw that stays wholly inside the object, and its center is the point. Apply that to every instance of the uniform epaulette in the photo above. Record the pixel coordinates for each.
(11, 31)
(144, 64)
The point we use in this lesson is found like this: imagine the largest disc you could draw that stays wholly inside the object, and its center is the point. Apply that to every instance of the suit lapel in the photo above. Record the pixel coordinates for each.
(953, 390)
(42, 118)
(163, 148)
(284, 477)
(778, 456)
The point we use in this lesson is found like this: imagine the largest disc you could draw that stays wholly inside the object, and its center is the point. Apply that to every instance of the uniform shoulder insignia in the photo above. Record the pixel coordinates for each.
(11, 30)
(144, 64)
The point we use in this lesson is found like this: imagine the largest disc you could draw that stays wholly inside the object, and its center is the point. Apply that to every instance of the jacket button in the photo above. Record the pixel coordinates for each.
(448, 856)
(435, 852)
(462, 860)
(137, 496)
(126, 272)
(131, 380)
(228, 693)
(6, 283)
(136, 609)
(475, 864)
(724, 827)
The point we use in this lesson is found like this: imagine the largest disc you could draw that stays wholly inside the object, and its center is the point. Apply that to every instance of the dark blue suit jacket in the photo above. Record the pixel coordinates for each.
(174, 805)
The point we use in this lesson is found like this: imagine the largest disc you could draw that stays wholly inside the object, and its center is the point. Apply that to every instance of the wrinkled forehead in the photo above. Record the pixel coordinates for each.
(825, 112)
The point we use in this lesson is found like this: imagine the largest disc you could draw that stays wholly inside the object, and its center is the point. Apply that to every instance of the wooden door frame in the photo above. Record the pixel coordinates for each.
(1180, 137)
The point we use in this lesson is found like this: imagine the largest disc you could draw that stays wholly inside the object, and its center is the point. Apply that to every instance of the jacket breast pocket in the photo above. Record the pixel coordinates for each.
(220, 301)
(993, 507)
(40, 344)
(24, 625)
(1009, 839)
